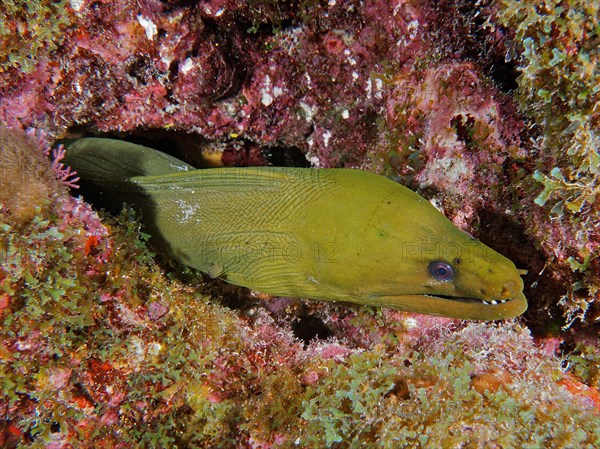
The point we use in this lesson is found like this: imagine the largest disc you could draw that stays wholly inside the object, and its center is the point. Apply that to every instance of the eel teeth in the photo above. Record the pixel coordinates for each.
(494, 302)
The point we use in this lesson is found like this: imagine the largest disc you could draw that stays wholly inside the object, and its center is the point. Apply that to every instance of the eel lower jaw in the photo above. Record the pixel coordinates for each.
(456, 307)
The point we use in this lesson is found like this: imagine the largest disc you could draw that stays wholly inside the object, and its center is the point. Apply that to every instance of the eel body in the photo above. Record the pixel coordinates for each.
(327, 234)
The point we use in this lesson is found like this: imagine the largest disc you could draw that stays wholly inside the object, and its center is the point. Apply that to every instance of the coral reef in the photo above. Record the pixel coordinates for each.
(235, 83)
(98, 344)
(559, 89)
(104, 341)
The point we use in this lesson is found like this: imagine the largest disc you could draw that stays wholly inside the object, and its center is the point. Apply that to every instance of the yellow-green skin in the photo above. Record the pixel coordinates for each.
(331, 234)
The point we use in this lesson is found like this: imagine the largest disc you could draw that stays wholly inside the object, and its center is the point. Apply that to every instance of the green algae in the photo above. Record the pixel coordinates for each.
(584, 363)
(363, 402)
(559, 90)
(29, 29)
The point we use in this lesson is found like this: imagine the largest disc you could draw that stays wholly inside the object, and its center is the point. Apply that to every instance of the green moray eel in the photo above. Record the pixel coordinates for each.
(327, 234)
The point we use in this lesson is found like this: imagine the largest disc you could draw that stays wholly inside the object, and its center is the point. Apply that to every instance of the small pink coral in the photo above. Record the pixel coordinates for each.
(311, 378)
(335, 352)
(157, 310)
(65, 174)
(60, 378)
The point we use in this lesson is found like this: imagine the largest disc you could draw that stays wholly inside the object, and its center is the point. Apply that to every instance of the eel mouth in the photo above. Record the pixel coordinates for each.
(456, 307)
(489, 302)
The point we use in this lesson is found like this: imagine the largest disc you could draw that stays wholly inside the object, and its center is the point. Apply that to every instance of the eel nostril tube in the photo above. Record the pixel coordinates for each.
(508, 290)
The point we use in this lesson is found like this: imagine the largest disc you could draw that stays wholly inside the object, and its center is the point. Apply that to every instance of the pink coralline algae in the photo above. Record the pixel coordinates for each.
(63, 173)
(455, 132)
(158, 66)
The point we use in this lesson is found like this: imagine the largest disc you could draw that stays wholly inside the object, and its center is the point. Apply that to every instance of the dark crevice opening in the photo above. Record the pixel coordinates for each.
(309, 327)
(542, 288)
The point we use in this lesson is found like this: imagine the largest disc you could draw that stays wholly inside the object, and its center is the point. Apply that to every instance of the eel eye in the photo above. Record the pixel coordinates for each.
(441, 271)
